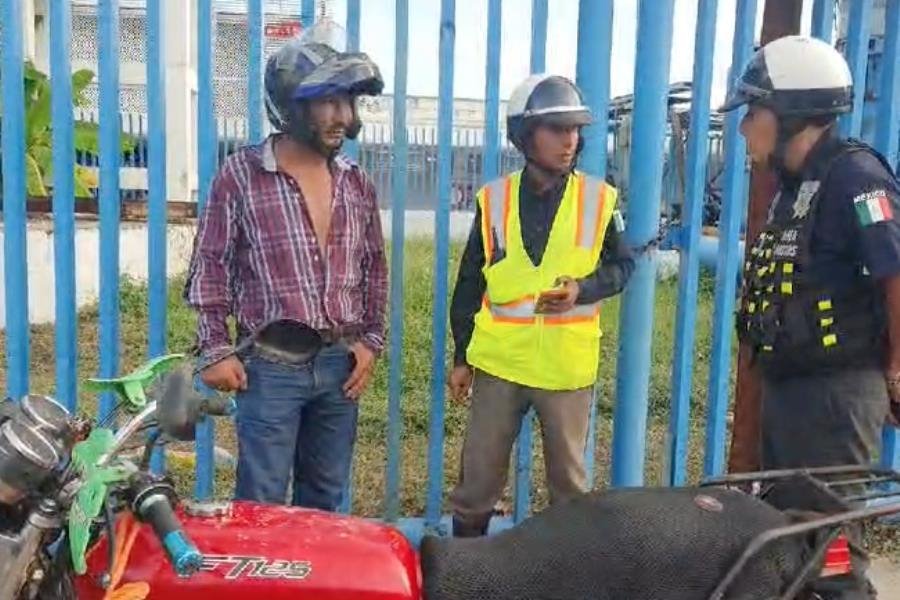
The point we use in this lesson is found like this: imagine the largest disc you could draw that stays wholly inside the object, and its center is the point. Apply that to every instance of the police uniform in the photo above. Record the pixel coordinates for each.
(813, 305)
(813, 310)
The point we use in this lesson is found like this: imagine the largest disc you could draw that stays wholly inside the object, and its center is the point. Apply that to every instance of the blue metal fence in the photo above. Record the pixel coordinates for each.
(417, 163)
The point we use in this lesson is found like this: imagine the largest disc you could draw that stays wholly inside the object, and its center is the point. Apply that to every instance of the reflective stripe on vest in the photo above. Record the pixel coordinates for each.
(591, 196)
(523, 311)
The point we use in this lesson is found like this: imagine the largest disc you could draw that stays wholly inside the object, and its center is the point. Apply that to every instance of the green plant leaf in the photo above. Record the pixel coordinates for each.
(43, 156)
(127, 142)
(85, 180)
(37, 113)
(87, 137)
(80, 80)
(34, 178)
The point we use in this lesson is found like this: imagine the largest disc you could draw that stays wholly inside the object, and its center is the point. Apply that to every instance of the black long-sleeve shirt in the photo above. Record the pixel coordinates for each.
(537, 211)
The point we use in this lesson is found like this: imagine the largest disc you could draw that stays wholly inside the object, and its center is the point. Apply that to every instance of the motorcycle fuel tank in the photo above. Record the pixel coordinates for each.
(264, 552)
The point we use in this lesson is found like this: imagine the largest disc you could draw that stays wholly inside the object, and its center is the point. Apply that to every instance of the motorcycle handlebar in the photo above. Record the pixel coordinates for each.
(155, 507)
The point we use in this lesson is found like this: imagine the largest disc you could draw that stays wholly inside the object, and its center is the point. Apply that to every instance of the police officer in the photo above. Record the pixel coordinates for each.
(542, 253)
(820, 304)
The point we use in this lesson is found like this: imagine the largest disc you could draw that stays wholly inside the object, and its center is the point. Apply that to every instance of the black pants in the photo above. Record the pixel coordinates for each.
(826, 420)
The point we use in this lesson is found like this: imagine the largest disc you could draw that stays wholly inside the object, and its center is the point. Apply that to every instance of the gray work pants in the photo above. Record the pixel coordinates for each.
(826, 420)
(495, 417)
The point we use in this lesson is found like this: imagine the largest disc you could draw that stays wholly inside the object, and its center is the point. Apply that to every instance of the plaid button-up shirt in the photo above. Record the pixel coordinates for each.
(256, 256)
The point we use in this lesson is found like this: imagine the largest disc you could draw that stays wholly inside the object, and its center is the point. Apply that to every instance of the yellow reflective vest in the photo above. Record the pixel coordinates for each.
(510, 340)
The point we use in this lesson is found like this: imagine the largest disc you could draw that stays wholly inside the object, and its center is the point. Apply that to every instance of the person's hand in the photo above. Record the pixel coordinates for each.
(893, 386)
(559, 300)
(226, 375)
(364, 363)
(460, 382)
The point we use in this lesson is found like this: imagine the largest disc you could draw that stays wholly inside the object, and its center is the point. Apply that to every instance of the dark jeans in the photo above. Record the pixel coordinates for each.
(296, 418)
(826, 420)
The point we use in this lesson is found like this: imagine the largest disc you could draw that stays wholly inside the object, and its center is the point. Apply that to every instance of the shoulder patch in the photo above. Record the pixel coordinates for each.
(873, 207)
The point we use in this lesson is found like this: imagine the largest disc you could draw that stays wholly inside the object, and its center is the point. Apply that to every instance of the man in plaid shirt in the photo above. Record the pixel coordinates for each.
(292, 230)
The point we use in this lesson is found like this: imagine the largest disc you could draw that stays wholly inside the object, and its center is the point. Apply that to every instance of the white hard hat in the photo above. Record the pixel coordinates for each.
(547, 99)
(795, 76)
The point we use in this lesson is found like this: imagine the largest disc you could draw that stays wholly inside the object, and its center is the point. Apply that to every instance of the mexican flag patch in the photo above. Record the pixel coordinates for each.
(873, 207)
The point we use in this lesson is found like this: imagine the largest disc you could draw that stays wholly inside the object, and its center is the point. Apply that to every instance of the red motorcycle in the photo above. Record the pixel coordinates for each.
(83, 516)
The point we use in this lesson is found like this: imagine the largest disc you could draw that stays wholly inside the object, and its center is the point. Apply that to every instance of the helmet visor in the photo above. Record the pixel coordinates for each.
(353, 74)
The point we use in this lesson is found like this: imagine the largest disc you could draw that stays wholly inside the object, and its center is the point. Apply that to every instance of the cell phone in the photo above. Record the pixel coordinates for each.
(553, 294)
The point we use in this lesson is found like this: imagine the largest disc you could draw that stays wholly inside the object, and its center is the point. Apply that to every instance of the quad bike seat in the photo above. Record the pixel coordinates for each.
(640, 543)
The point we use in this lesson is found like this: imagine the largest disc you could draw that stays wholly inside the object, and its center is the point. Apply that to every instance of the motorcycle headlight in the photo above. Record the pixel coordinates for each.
(33, 439)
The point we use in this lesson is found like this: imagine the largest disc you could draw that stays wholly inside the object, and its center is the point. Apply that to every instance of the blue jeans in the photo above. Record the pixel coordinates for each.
(296, 418)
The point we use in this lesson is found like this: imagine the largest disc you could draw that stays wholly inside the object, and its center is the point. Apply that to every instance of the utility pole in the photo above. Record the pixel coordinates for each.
(781, 18)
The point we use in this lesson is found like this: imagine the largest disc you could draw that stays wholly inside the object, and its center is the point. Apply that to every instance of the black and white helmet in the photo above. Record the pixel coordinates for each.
(795, 76)
(544, 99)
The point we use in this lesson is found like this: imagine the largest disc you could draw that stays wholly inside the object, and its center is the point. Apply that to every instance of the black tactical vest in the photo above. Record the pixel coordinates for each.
(798, 324)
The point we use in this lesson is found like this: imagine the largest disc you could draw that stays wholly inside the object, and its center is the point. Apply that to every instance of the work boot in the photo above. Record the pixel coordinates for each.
(467, 530)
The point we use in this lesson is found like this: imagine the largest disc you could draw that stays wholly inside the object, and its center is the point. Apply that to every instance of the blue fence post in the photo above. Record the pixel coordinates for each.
(399, 187)
(823, 19)
(857, 53)
(308, 13)
(157, 191)
(654, 37)
(110, 161)
(886, 140)
(63, 203)
(595, 19)
(441, 265)
(689, 268)
(15, 249)
(351, 147)
(254, 70)
(538, 36)
(491, 164)
(524, 443)
(206, 165)
(733, 211)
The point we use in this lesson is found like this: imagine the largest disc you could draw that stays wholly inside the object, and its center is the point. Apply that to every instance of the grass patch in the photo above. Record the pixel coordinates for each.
(371, 452)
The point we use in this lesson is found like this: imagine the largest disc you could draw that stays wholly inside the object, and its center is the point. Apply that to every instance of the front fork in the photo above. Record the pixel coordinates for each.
(19, 552)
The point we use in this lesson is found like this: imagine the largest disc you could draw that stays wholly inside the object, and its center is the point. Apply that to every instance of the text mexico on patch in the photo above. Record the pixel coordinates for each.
(873, 207)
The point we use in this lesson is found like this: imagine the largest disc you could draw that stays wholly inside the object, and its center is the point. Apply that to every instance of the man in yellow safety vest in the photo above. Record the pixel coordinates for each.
(543, 251)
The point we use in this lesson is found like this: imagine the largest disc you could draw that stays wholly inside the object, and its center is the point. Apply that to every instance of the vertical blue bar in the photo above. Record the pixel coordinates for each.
(651, 79)
(110, 160)
(886, 141)
(157, 191)
(441, 264)
(63, 203)
(857, 56)
(206, 166)
(734, 209)
(823, 19)
(524, 443)
(308, 13)
(689, 268)
(351, 148)
(399, 188)
(538, 36)
(491, 164)
(595, 19)
(255, 71)
(15, 247)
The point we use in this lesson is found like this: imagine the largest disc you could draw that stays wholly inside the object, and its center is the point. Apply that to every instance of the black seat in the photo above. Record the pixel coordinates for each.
(642, 544)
